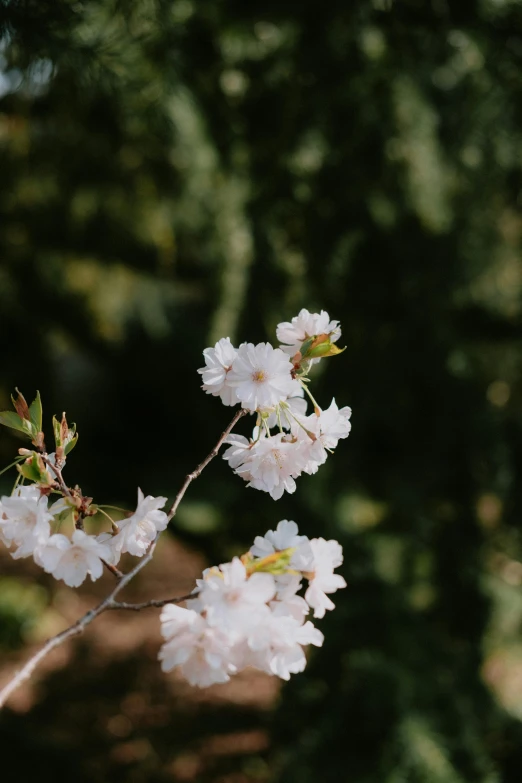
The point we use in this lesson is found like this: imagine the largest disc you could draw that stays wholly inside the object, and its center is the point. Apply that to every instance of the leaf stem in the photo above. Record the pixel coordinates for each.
(315, 403)
(16, 461)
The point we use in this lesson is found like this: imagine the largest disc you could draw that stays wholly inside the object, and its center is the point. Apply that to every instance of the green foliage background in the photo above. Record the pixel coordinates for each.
(173, 172)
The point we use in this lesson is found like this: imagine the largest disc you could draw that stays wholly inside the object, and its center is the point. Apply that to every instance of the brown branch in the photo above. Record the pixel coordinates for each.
(75, 629)
(154, 602)
(79, 626)
(109, 603)
(201, 467)
(59, 478)
(114, 571)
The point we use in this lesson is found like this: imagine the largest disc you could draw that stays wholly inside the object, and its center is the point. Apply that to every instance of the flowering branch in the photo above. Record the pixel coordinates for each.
(244, 613)
(109, 603)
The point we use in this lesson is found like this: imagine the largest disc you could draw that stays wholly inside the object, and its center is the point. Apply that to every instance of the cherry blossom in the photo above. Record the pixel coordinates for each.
(278, 644)
(72, 560)
(326, 555)
(138, 531)
(202, 653)
(288, 602)
(232, 601)
(262, 376)
(273, 465)
(215, 375)
(250, 611)
(25, 520)
(285, 536)
(239, 452)
(320, 433)
(293, 333)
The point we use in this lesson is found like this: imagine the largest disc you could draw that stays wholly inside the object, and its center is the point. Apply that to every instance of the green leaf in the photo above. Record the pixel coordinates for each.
(29, 469)
(325, 349)
(70, 446)
(305, 347)
(35, 412)
(57, 432)
(34, 469)
(13, 420)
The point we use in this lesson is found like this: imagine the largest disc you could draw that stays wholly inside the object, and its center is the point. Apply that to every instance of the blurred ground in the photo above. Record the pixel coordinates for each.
(99, 707)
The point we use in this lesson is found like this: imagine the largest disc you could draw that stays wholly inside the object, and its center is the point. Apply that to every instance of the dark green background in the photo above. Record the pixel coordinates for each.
(174, 172)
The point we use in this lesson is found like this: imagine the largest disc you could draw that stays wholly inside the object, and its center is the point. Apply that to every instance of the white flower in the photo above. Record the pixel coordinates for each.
(262, 376)
(232, 601)
(326, 555)
(202, 653)
(269, 464)
(277, 644)
(25, 520)
(334, 424)
(219, 360)
(287, 586)
(72, 560)
(285, 536)
(239, 451)
(235, 620)
(327, 428)
(288, 602)
(305, 325)
(139, 531)
(273, 464)
(112, 546)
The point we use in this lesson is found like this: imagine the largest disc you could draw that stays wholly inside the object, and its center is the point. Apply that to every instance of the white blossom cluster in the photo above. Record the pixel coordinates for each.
(248, 612)
(272, 382)
(27, 523)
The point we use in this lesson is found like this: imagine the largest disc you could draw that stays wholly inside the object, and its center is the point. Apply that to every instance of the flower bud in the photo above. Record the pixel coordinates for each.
(65, 437)
(34, 469)
(322, 348)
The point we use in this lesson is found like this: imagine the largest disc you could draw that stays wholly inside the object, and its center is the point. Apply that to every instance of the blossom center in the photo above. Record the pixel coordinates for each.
(259, 376)
(278, 459)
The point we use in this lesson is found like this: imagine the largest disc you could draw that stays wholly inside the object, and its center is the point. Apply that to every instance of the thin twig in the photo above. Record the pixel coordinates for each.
(58, 473)
(115, 571)
(109, 603)
(201, 467)
(147, 604)
(75, 629)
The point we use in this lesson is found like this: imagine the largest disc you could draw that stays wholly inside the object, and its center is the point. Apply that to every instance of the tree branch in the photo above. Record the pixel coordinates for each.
(109, 603)
(114, 571)
(201, 467)
(153, 602)
(75, 629)
(59, 478)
